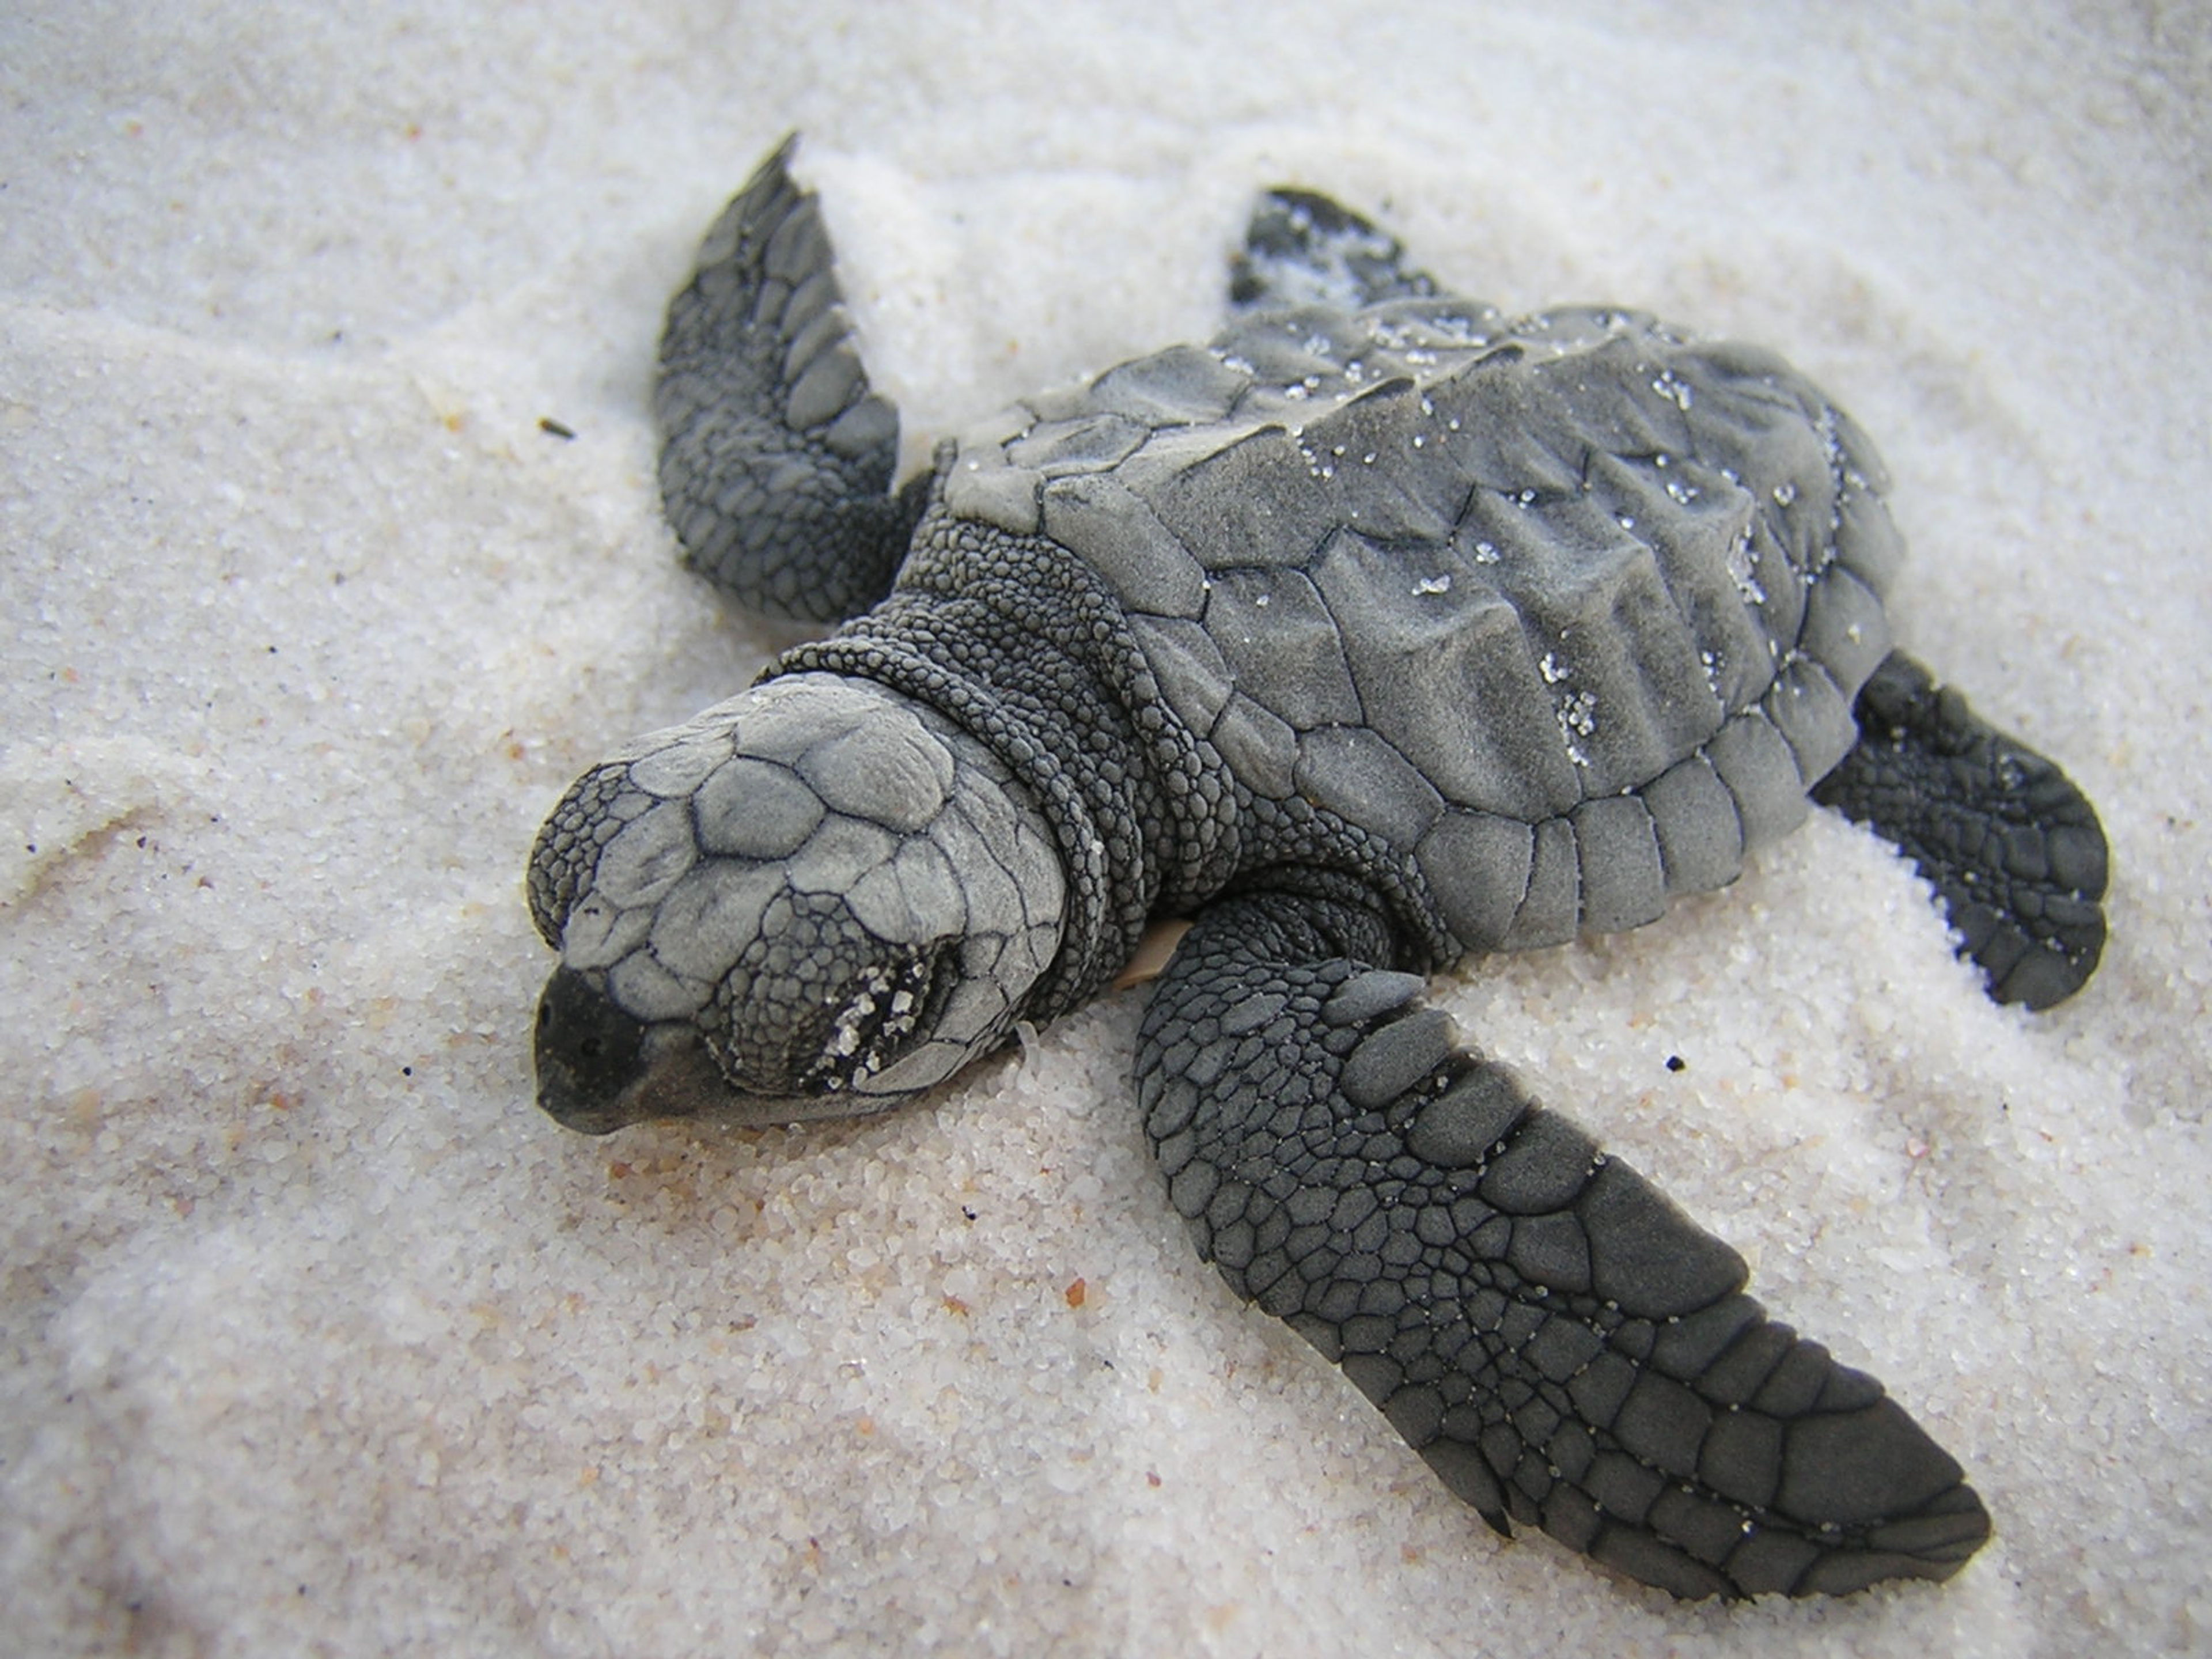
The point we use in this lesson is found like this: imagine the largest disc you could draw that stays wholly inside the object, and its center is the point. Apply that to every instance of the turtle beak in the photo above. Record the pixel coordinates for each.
(599, 1069)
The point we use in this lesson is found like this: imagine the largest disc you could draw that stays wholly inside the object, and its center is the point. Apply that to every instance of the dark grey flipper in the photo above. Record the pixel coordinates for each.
(1303, 249)
(2014, 850)
(778, 460)
(1563, 1346)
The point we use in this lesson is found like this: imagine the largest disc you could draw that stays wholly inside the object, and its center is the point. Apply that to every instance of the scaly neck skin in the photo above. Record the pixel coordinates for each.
(1024, 646)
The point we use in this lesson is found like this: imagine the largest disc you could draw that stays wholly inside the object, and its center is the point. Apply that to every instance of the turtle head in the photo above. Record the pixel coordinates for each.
(816, 899)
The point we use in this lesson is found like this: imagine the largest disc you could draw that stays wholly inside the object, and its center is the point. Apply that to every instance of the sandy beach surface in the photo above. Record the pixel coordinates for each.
(330, 551)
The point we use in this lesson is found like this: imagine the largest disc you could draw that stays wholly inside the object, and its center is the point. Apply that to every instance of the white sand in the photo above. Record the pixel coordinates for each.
(319, 1338)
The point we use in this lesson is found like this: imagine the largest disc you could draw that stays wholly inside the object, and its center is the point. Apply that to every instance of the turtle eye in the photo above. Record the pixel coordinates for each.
(887, 1008)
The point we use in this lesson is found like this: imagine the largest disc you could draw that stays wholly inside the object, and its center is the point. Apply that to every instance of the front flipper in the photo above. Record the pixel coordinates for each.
(1302, 249)
(1562, 1344)
(2014, 850)
(777, 460)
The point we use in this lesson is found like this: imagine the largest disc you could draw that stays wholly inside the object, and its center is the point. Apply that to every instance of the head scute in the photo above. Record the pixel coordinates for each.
(816, 897)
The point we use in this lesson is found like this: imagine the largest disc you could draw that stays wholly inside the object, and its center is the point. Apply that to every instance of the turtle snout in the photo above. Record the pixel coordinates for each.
(600, 1066)
(590, 1054)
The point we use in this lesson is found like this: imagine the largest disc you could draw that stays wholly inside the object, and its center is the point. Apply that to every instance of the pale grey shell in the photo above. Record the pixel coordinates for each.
(1571, 609)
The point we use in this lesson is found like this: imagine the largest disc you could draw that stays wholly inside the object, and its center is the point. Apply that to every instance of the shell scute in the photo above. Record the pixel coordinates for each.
(1573, 572)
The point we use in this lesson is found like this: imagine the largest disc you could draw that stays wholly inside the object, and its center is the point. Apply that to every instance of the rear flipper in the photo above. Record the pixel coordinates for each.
(1563, 1346)
(1304, 249)
(2014, 850)
(777, 460)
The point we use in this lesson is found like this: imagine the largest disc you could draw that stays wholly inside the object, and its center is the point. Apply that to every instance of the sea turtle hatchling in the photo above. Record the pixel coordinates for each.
(1382, 632)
